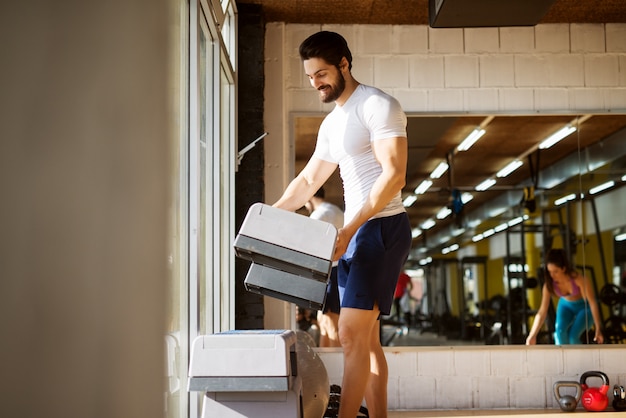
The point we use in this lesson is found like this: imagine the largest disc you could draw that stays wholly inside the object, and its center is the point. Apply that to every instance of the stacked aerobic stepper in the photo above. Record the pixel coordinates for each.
(291, 255)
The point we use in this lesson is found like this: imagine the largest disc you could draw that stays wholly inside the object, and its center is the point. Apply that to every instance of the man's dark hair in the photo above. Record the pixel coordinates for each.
(329, 46)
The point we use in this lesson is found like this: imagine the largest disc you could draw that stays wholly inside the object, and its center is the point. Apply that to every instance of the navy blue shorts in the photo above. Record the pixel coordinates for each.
(367, 273)
(332, 303)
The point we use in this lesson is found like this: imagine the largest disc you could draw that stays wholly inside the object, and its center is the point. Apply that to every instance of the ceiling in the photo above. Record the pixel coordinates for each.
(415, 12)
(433, 139)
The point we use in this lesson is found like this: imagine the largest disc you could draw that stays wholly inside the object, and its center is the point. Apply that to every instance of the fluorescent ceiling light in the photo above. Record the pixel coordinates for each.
(438, 172)
(557, 136)
(471, 139)
(488, 233)
(620, 237)
(624, 177)
(450, 249)
(425, 261)
(409, 200)
(416, 232)
(515, 221)
(485, 185)
(564, 199)
(478, 237)
(443, 213)
(429, 223)
(501, 227)
(511, 167)
(602, 187)
(466, 197)
(425, 185)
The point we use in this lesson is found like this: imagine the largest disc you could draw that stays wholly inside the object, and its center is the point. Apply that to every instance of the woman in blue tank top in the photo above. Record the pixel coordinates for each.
(577, 307)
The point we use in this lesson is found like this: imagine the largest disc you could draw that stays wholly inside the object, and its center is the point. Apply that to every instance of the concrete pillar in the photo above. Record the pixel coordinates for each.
(84, 196)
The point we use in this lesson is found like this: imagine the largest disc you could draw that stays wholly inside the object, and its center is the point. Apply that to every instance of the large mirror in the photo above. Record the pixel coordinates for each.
(487, 196)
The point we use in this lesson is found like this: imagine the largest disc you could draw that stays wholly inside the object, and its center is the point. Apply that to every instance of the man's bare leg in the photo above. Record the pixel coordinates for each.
(376, 390)
(329, 327)
(355, 334)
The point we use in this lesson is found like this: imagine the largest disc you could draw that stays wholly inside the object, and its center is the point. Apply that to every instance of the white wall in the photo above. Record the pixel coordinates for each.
(547, 68)
(479, 377)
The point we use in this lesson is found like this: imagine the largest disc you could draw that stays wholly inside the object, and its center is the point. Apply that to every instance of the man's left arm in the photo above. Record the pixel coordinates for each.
(391, 154)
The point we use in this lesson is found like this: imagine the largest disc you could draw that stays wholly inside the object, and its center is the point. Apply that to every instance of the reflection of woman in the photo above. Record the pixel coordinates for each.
(577, 302)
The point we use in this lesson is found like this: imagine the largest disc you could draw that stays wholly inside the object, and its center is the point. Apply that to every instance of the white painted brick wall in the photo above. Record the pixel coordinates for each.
(445, 100)
(460, 71)
(552, 38)
(616, 37)
(497, 70)
(454, 392)
(391, 71)
(418, 99)
(517, 40)
(614, 98)
(296, 79)
(445, 41)
(294, 37)
(513, 99)
(485, 378)
(546, 68)
(566, 70)
(426, 71)
(581, 99)
(374, 40)
(587, 38)
(551, 98)
(477, 100)
(409, 39)
(416, 392)
(491, 393)
(527, 392)
(481, 40)
(601, 70)
(363, 70)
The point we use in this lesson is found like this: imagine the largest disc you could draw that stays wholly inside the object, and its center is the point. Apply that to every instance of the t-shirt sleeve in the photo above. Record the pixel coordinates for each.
(384, 117)
(322, 149)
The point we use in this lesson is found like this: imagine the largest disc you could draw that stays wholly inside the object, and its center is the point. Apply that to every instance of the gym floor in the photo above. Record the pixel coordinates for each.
(402, 336)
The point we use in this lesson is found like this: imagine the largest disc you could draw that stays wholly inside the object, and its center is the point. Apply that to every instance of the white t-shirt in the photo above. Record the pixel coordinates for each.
(345, 138)
(330, 213)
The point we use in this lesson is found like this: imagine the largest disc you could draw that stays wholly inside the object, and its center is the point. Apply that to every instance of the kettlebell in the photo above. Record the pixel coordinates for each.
(595, 399)
(567, 403)
(619, 398)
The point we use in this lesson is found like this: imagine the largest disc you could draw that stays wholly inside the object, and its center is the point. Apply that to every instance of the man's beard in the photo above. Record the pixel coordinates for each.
(334, 91)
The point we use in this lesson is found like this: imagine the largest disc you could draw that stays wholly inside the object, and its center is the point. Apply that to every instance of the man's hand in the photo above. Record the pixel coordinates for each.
(343, 239)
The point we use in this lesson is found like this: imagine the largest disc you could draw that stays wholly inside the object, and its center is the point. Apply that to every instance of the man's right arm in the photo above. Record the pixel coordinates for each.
(303, 187)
